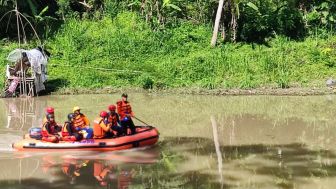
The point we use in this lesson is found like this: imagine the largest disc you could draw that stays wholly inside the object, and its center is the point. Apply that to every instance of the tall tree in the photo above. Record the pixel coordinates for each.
(217, 21)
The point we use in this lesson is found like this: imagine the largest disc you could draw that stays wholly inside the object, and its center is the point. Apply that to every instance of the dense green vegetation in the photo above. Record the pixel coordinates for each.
(166, 44)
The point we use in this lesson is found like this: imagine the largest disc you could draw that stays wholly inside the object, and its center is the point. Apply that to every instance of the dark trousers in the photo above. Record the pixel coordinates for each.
(72, 133)
(108, 135)
(118, 129)
(128, 124)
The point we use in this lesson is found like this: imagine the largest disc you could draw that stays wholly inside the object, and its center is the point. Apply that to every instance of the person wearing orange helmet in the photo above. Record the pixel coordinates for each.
(82, 123)
(113, 119)
(101, 127)
(125, 111)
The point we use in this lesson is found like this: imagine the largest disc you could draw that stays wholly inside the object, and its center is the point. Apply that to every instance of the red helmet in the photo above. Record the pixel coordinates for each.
(50, 110)
(112, 107)
(103, 114)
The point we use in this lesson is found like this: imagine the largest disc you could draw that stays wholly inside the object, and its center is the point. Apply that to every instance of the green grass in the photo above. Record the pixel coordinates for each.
(135, 56)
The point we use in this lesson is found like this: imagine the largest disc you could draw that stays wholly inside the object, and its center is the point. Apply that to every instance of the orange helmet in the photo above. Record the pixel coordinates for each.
(50, 110)
(112, 107)
(103, 114)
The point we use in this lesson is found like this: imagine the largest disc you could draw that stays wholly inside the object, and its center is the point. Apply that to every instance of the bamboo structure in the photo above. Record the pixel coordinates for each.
(26, 83)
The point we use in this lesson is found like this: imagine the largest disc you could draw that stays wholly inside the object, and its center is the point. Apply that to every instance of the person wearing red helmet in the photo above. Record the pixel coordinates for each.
(49, 130)
(49, 110)
(113, 119)
(125, 111)
(101, 127)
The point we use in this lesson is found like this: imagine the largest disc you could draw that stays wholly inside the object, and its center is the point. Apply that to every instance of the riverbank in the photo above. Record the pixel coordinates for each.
(199, 91)
(91, 55)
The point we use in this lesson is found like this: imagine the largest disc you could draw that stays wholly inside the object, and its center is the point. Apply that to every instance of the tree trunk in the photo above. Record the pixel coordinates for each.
(223, 31)
(216, 27)
(234, 27)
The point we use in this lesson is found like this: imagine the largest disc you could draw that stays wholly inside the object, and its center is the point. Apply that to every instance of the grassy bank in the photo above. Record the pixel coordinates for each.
(125, 52)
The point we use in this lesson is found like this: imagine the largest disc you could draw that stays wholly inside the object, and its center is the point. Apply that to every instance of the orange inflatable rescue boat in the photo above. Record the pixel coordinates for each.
(145, 136)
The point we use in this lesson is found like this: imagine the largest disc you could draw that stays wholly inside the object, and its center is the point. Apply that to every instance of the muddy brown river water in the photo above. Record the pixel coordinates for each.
(205, 142)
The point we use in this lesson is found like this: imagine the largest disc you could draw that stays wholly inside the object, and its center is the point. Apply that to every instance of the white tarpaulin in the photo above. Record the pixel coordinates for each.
(38, 63)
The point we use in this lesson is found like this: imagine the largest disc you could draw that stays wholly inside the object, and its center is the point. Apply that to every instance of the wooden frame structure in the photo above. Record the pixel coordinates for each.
(25, 83)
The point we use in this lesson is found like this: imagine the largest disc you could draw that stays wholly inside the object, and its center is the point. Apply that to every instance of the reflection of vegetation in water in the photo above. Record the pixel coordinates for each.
(167, 173)
(254, 119)
(245, 166)
(195, 111)
(251, 166)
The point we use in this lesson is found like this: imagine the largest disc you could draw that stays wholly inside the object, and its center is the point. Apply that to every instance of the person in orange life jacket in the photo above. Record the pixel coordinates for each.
(101, 127)
(69, 133)
(125, 112)
(49, 130)
(113, 119)
(81, 122)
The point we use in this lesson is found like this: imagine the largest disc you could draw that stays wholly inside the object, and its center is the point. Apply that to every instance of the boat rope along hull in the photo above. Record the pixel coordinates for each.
(145, 136)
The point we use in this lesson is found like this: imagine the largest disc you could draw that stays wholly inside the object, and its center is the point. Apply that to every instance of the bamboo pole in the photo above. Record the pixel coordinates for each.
(18, 32)
(217, 21)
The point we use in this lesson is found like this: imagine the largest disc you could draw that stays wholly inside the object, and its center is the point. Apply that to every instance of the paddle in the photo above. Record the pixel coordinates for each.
(141, 121)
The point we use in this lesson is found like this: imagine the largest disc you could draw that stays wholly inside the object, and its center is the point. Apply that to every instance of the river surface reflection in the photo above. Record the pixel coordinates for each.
(205, 142)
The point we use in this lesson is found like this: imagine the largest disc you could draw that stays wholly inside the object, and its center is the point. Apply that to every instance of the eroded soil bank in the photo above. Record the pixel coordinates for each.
(298, 91)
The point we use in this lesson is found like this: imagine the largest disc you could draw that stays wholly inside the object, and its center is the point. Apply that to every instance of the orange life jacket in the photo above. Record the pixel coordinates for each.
(51, 126)
(123, 108)
(99, 128)
(65, 131)
(113, 118)
(45, 120)
(80, 121)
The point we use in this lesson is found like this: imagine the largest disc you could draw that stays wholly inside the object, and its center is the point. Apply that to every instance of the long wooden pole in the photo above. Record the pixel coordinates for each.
(21, 82)
(217, 21)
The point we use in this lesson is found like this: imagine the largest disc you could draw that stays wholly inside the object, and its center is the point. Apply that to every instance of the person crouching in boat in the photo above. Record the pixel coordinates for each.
(81, 123)
(51, 111)
(49, 130)
(125, 111)
(113, 119)
(69, 132)
(101, 127)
